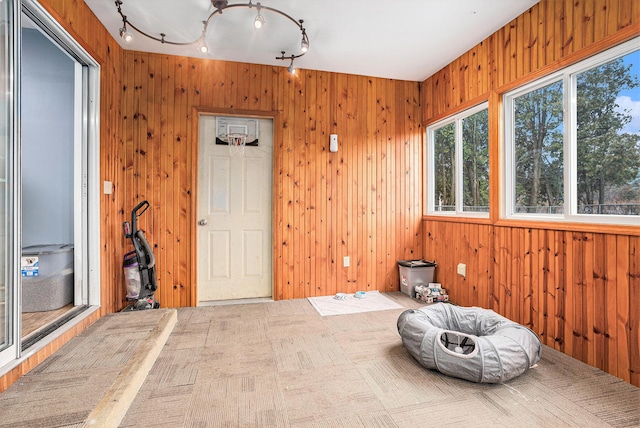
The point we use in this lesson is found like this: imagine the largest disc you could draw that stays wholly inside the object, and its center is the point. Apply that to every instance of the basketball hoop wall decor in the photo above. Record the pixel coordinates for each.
(237, 133)
(236, 143)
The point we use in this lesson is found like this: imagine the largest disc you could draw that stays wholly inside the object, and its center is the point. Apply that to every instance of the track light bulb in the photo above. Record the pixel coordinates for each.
(203, 47)
(259, 21)
(125, 35)
(291, 69)
(304, 45)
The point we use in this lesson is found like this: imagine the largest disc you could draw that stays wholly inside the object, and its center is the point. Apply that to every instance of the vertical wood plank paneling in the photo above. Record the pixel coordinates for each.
(279, 245)
(392, 174)
(340, 205)
(609, 285)
(325, 125)
(289, 186)
(579, 296)
(475, 275)
(298, 172)
(530, 278)
(569, 330)
(588, 309)
(168, 71)
(555, 300)
(625, 15)
(599, 298)
(327, 205)
(311, 179)
(351, 182)
(623, 309)
(634, 313)
(547, 289)
(588, 23)
(528, 41)
(574, 288)
(568, 29)
(179, 141)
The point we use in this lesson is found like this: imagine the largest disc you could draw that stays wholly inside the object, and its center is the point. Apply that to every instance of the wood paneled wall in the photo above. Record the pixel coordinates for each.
(549, 35)
(363, 202)
(580, 291)
(577, 286)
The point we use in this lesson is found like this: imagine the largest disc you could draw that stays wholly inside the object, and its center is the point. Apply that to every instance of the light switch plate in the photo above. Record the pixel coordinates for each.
(108, 187)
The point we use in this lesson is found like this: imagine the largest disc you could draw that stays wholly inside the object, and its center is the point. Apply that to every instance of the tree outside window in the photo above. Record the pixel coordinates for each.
(475, 162)
(608, 166)
(458, 165)
(573, 141)
(539, 151)
(444, 153)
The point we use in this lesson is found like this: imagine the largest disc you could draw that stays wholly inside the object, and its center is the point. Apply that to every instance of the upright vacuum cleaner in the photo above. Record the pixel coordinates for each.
(139, 265)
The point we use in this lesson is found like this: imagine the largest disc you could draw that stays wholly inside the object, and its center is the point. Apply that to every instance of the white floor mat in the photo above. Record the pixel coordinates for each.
(373, 301)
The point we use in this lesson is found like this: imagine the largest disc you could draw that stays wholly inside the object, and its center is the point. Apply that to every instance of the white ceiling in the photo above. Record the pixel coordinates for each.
(398, 39)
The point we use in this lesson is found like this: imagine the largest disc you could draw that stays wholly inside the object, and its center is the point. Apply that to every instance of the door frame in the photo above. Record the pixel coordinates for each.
(193, 230)
(86, 185)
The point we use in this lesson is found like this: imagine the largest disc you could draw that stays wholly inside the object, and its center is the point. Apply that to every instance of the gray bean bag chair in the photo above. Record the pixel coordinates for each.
(469, 343)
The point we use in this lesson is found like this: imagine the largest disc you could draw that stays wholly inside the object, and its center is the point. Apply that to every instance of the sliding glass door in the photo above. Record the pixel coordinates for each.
(82, 164)
(8, 180)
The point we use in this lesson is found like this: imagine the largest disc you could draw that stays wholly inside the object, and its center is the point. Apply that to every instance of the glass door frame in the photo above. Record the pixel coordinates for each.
(9, 349)
(86, 180)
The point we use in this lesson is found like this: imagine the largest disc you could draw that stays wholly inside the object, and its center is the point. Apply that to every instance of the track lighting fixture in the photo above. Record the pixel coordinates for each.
(203, 47)
(125, 35)
(292, 68)
(202, 43)
(219, 6)
(259, 21)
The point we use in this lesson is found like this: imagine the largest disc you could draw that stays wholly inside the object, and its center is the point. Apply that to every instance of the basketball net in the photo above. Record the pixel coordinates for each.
(236, 143)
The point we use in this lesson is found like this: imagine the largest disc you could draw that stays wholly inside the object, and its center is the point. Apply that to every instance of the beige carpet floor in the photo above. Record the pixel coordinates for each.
(281, 364)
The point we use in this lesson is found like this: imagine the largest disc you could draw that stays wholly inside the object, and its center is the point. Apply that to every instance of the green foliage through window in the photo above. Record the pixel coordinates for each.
(538, 151)
(475, 162)
(573, 140)
(444, 154)
(459, 163)
(608, 168)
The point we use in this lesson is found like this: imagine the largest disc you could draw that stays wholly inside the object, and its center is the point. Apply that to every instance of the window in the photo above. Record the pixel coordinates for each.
(458, 164)
(538, 130)
(572, 149)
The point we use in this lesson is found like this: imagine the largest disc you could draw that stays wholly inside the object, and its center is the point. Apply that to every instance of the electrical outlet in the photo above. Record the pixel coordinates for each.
(346, 262)
(462, 270)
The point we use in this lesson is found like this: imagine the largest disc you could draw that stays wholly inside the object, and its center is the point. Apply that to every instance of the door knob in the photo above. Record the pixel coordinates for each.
(202, 222)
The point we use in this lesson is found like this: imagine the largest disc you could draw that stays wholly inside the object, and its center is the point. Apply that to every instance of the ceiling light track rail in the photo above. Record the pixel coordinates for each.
(219, 7)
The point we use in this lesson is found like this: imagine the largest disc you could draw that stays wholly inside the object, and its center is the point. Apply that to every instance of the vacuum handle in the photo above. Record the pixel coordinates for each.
(140, 208)
(135, 213)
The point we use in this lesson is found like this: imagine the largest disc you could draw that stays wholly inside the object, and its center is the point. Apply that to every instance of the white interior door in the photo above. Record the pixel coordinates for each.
(234, 216)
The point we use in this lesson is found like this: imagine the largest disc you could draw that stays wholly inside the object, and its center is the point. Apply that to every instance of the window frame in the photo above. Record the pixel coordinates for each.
(429, 167)
(568, 76)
